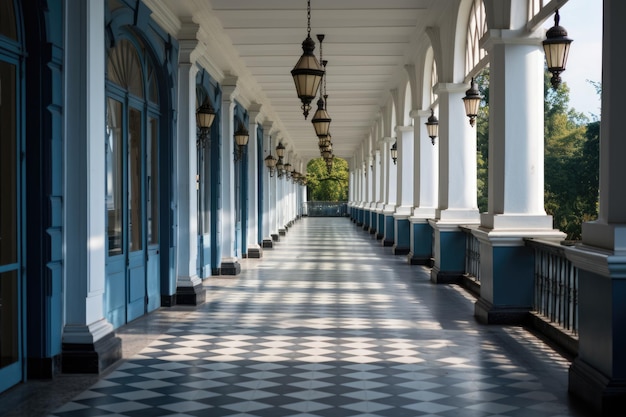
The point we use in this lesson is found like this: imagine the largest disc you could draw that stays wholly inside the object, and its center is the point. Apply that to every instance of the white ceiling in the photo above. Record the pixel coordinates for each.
(367, 43)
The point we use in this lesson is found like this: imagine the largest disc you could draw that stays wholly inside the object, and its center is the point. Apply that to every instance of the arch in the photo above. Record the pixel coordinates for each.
(429, 80)
(408, 105)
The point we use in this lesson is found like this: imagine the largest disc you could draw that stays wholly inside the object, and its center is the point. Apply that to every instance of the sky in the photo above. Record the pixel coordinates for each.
(583, 21)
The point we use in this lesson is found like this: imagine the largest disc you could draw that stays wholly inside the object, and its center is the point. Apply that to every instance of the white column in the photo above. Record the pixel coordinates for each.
(426, 169)
(404, 180)
(516, 178)
(229, 262)
(254, 249)
(391, 189)
(425, 190)
(84, 198)
(186, 199)
(457, 158)
(267, 187)
(404, 197)
(457, 184)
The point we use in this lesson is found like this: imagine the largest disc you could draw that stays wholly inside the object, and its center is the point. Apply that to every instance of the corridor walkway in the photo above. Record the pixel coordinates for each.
(329, 323)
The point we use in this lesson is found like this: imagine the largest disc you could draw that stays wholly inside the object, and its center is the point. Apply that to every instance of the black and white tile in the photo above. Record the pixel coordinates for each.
(330, 324)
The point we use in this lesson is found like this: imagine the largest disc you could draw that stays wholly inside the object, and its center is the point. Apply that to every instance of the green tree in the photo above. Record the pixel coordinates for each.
(571, 163)
(482, 141)
(325, 186)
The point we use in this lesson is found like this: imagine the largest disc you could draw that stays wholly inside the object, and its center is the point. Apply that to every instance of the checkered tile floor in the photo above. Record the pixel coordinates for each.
(330, 324)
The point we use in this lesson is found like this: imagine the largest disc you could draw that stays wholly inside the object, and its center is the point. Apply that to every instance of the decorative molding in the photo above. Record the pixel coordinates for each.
(164, 17)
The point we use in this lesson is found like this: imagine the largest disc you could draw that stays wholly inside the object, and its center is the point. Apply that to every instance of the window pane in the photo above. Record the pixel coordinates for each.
(124, 67)
(153, 182)
(8, 166)
(8, 318)
(134, 180)
(115, 176)
(8, 24)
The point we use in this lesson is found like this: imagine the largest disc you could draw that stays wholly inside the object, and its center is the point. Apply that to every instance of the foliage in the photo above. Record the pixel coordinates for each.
(482, 141)
(571, 162)
(323, 186)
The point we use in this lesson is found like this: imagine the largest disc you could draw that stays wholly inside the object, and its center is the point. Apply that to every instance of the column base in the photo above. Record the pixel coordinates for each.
(275, 237)
(388, 243)
(605, 396)
(255, 252)
(487, 313)
(268, 243)
(190, 296)
(397, 250)
(419, 260)
(168, 300)
(231, 267)
(91, 358)
(43, 368)
(282, 232)
(444, 277)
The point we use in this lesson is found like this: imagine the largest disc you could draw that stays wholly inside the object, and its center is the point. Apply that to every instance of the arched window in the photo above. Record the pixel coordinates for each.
(8, 23)
(476, 28)
(535, 6)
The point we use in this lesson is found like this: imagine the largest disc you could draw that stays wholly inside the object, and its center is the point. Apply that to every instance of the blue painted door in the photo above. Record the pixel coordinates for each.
(11, 280)
(131, 233)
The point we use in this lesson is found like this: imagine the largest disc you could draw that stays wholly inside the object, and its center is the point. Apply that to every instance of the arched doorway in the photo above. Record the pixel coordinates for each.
(132, 182)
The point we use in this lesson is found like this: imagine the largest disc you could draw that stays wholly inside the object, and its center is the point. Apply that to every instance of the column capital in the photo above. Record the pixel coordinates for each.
(403, 129)
(388, 139)
(267, 127)
(254, 110)
(186, 51)
(442, 88)
(230, 89)
(416, 114)
(511, 37)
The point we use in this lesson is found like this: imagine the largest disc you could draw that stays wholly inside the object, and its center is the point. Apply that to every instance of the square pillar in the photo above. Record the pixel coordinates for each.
(598, 375)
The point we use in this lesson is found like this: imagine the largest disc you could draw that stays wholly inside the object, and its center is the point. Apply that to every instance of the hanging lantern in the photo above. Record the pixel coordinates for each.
(205, 115)
(394, 152)
(280, 150)
(270, 163)
(307, 74)
(556, 46)
(432, 126)
(241, 140)
(472, 102)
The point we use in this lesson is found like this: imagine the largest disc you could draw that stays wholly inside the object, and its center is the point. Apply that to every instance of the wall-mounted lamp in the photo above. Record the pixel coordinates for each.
(307, 74)
(432, 126)
(556, 46)
(394, 152)
(280, 167)
(472, 102)
(280, 150)
(205, 115)
(288, 170)
(241, 140)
